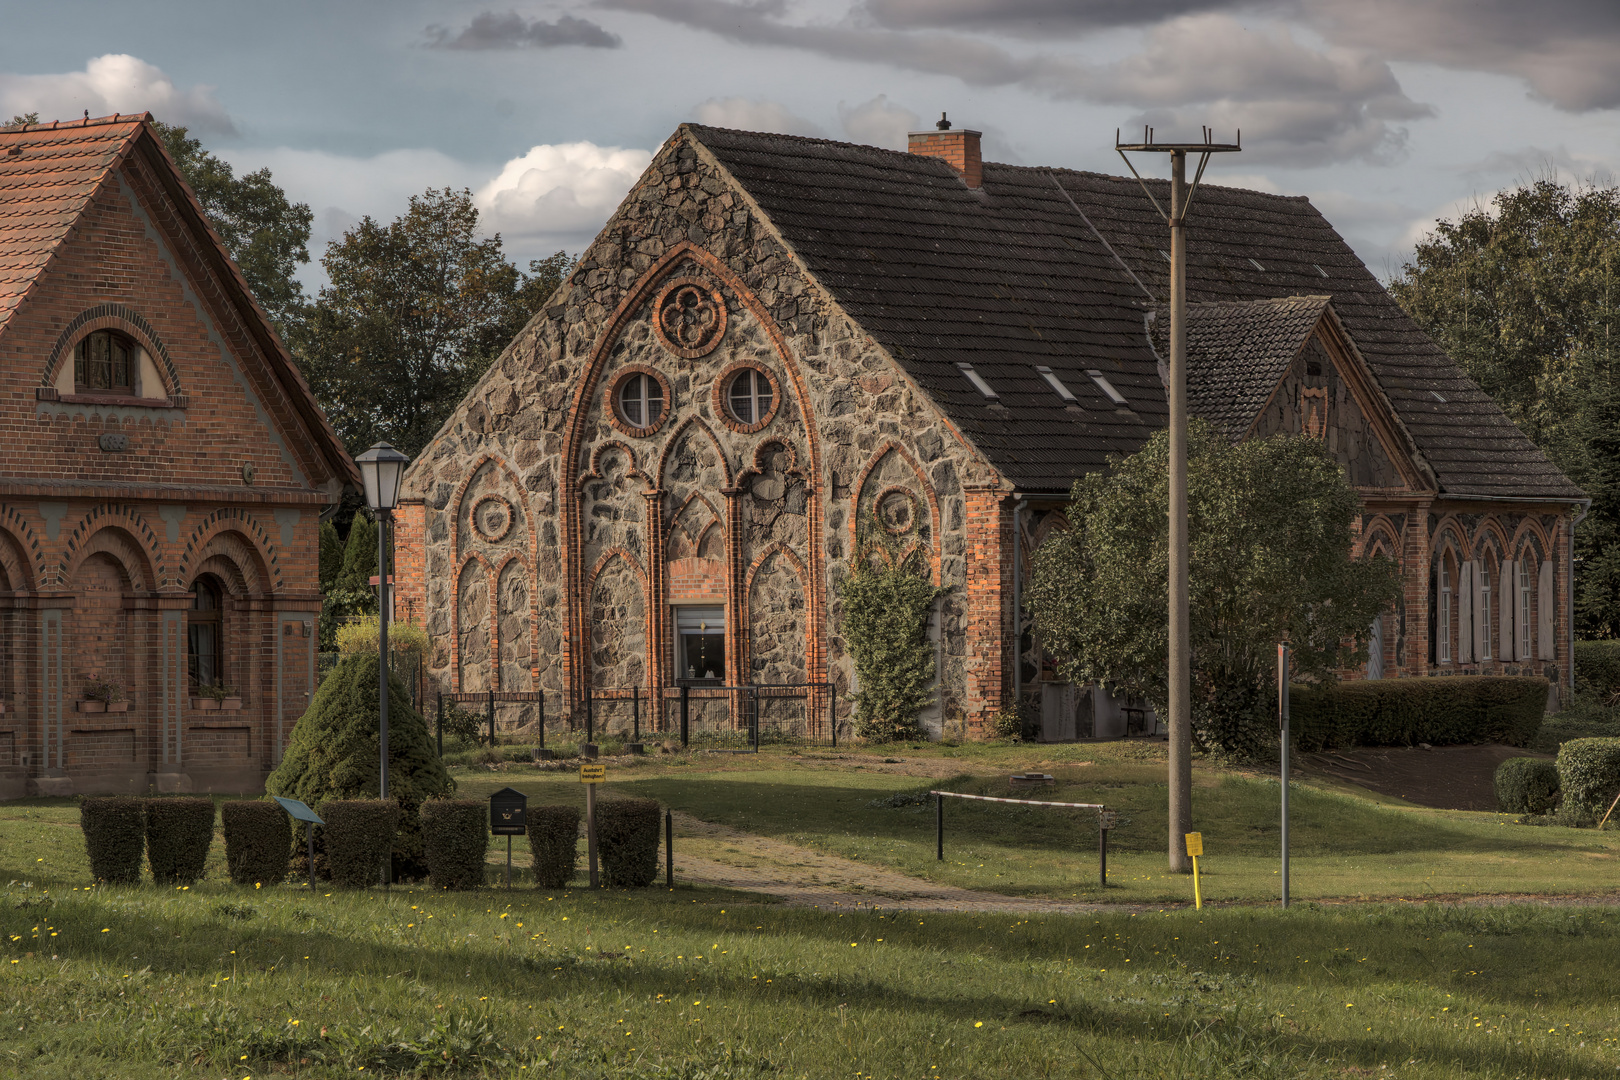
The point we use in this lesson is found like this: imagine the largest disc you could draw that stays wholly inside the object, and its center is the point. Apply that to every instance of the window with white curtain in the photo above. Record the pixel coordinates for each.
(1443, 637)
(1485, 609)
(1527, 586)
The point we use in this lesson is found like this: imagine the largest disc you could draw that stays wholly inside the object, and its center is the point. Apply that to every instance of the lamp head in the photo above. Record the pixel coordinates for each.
(381, 467)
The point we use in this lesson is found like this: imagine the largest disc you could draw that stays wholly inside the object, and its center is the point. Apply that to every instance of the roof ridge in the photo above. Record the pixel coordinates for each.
(73, 125)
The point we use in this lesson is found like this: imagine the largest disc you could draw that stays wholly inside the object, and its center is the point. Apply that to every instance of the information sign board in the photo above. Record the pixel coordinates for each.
(1195, 844)
(592, 773)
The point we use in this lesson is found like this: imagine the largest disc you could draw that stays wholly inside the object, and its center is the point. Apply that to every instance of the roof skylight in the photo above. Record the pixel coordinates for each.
(978, 381)
(1256, 264)
(1319, 270)
(1107, 387)
(1056, 383)
(1438, 396)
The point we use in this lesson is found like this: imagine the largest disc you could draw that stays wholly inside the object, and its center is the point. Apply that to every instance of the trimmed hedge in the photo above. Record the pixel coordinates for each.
(554, 843)
(1526, 785)
(455, 839)
(114, 837)
(258, 836)
(627, 839)
(359, 835)
(1597, 667)
(1404, 712)
(1589, 773)
(178, 834)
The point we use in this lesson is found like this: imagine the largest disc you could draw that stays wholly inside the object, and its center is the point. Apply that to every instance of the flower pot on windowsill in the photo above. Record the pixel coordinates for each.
(92, 706)
(230, 704)
(118, 706)
(206, 704)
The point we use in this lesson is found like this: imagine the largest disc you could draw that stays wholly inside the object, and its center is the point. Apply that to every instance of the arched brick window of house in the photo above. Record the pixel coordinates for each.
(105, 362)
(205, 633)
(1482, 617)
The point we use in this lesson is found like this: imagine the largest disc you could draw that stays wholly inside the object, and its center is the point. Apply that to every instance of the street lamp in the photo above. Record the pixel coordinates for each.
(381, 467)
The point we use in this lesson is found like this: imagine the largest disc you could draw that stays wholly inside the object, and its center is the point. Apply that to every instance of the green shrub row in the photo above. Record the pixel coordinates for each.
(1589, 774)
(627, 838)
(554, 843)
(1597, 668)
(359, 835)
(258, 836)
(1404, 712)
(455, 839)
(172, 833)
(1526, 785)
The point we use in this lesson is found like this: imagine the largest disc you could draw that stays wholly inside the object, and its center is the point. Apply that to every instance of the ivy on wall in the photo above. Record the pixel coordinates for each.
(887, 601)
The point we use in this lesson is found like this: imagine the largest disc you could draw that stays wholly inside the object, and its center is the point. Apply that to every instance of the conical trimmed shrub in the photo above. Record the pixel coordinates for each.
(179, 832)
(333, 754)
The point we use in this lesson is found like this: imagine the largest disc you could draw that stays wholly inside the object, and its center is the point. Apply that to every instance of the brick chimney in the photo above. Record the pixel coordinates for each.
(958, 146)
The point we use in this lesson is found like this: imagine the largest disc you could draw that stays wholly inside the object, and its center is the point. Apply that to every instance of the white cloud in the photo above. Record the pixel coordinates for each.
(113, 83)
(560, 193)
(879, 122)
(748, 115)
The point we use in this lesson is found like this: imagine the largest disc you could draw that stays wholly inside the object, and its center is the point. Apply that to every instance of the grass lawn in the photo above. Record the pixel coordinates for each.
(223, 982)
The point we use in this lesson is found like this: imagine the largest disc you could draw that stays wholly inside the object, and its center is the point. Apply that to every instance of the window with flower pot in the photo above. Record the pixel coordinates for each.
(204, 634)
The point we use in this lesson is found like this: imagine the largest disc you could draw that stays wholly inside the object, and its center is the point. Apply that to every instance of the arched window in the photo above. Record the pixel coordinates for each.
(1527, 588)
(1443, 623)
(750, 396)
(204, 638)
(641, 400)
(105, 362)
(1483, 615)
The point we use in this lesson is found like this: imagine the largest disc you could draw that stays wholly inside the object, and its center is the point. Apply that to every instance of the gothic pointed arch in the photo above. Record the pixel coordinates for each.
(890, 481)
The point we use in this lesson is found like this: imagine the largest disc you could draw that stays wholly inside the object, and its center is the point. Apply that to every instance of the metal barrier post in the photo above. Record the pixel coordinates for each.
(441, 725)
(492, 718)
(686, 692)
(590, 716)
(635, 711)
(833, 698)
(1102, 852)
(939, 828)
(542, 699)
(669, 850)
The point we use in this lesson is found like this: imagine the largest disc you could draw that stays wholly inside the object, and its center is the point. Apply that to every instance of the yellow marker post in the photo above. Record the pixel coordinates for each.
(1195, 848)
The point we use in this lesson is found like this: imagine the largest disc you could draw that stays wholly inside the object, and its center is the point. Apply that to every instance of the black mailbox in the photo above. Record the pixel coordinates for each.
(508, 812)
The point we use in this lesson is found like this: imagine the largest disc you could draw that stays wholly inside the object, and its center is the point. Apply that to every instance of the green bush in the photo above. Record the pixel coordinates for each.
(1558, 730)
(333, 754)
(627, 840)
(554, 843)
(178, 833)
(455, 838)
(114, 837)
(1589, 773)
(359, 834)
(257, 838)
(1526, 785)
(1597, 668)
(1403, 712)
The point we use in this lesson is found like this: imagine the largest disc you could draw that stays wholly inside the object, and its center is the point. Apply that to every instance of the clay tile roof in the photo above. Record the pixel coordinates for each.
(47, 174)
(1060, 268)
(1237, 352)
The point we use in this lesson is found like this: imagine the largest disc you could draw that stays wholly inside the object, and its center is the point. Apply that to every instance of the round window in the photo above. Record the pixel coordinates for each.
(641, 400)
(749, 396)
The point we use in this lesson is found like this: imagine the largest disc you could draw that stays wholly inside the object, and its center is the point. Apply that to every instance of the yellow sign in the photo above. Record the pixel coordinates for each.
(1195, 844)
(592, 773)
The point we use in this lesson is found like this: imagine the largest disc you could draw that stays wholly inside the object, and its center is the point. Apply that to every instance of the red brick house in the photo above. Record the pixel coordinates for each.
(777, 337)
(163, 469)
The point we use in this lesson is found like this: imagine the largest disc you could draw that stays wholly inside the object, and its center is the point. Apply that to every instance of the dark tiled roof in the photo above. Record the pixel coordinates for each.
(1015, 275)
(1237, 352)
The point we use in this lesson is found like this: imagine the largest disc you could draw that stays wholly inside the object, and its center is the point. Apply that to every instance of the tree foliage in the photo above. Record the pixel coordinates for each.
(887, 600)
(267, 235)
(1270, 530)
(415, 312)
(1524, 296)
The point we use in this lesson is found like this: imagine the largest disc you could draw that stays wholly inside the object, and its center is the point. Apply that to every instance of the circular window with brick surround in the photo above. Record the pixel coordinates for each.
(640, 401)
(896, 510)
(746, 397)
(690, 317)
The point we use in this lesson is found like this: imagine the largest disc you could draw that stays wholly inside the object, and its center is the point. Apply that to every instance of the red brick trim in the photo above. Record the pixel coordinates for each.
(231, 519)
(511, 518)
(706, 292)
(1449, 532)
(595, 471)
(111, 317)
(1531, 528)
(115, 540)
(495, 574)
(669, 448)
(16, 529)
(897, 489)
(744, 605)
(722, 397)
(474, 557)
(126, 519)
(1056, 521)
(611, 405)
(1490, 536)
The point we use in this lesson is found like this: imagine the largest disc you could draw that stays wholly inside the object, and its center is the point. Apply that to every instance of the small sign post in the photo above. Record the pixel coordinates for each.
(1282, 723)
(1106, 819)
(301, 812)
(590, 774)
(1195, 848)
(508, 817)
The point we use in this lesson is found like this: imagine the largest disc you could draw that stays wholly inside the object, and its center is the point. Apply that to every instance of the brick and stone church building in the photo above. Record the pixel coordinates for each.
(163, 469)
(776, 339)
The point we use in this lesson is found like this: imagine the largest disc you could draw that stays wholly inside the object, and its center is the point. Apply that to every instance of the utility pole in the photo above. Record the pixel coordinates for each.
(1179, 672)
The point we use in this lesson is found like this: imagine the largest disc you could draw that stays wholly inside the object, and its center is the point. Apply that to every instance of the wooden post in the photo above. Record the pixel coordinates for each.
(590, 830)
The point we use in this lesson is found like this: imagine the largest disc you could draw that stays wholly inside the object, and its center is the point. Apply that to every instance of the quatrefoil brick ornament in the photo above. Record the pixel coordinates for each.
(691, 317)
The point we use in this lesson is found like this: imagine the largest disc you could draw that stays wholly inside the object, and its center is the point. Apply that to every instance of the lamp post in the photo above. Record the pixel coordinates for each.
(381, 467)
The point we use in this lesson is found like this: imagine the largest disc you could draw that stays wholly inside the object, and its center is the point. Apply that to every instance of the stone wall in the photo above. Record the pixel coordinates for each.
(686, 287)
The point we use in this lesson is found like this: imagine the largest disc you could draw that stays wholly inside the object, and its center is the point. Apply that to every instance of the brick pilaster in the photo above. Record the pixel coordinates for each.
(988, 604)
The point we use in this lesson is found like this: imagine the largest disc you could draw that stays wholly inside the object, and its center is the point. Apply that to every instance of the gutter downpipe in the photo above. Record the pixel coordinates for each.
(1018, 609)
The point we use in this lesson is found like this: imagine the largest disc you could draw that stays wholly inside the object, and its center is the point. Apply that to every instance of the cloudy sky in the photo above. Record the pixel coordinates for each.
(1387, 113)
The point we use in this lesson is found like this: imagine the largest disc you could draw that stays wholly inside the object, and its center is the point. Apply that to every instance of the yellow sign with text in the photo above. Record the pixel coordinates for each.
(592, 773)
(1195, 844)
